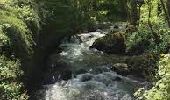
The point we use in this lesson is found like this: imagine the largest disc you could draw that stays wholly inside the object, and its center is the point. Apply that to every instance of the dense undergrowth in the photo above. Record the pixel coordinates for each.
(16, 45)
(161, 88)
(153, 36)
(10, 86)
(21, 38)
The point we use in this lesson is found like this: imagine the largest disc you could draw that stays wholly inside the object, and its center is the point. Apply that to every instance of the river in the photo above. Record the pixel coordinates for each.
(92, 77)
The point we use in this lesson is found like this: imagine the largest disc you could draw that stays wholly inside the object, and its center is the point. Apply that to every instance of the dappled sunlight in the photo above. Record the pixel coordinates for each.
(84, 49)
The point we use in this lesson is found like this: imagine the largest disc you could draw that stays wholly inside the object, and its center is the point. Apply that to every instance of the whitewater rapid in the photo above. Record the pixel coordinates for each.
(96, 82)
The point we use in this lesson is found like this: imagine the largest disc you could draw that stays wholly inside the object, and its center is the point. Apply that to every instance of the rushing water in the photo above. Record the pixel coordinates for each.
(96, 82)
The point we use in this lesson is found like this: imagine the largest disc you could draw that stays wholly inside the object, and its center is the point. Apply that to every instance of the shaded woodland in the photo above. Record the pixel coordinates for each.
(32, 30)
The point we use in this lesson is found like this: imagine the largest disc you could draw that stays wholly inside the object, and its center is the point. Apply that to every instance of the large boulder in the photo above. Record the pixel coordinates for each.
(113, 43)
(144, 66)
(141, 66)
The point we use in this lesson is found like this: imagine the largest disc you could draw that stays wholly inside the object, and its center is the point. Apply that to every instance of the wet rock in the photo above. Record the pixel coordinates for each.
(113, 43)
(117, 79)
(104, 25)
(62, 69)
(116, 26)
(121, 68)
(86, 77)
(100, 70)
(80, 71)
(57, 75)
(59, 50)
(92, 29)
(99, 30)
(133, 77)
(131, 28)
(103, 79)
(66, 75)
(57, 70)
(140, 66)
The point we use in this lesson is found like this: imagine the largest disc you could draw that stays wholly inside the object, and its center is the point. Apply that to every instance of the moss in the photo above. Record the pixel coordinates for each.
(111, 43)
(144, 66)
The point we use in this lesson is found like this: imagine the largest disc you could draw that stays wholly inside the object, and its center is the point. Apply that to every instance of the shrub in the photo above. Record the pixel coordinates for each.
(10, 86)
(161, 89)
(19, 23)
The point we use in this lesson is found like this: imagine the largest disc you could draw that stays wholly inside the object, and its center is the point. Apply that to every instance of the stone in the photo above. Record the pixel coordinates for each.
(118, 79)
(131, 28)
(113, 43)
(121, 68)
(86, 77)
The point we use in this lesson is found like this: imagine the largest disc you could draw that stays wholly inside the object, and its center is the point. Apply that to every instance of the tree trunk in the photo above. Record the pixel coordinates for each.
(166, 11)
(133, 12)
(155, 35)
(168, 6)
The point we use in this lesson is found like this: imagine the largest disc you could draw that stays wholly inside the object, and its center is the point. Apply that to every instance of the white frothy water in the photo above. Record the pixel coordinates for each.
(89, 38)
(103, 86)
(80, 43)
(97, 83)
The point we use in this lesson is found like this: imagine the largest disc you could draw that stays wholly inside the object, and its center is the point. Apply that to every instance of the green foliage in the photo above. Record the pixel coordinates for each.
(18, 24)
(161, 89)
(153, 36)
(10, 74)
(143, 42)
(4, 40)
(15, 24)
(9, 69)
(150, 38)
(11, 91)
(101, 10)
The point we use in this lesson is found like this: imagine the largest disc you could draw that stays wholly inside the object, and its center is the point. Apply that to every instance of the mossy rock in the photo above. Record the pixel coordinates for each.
(121, 68)
(131, 28)
(113, 43)
(143, 66)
